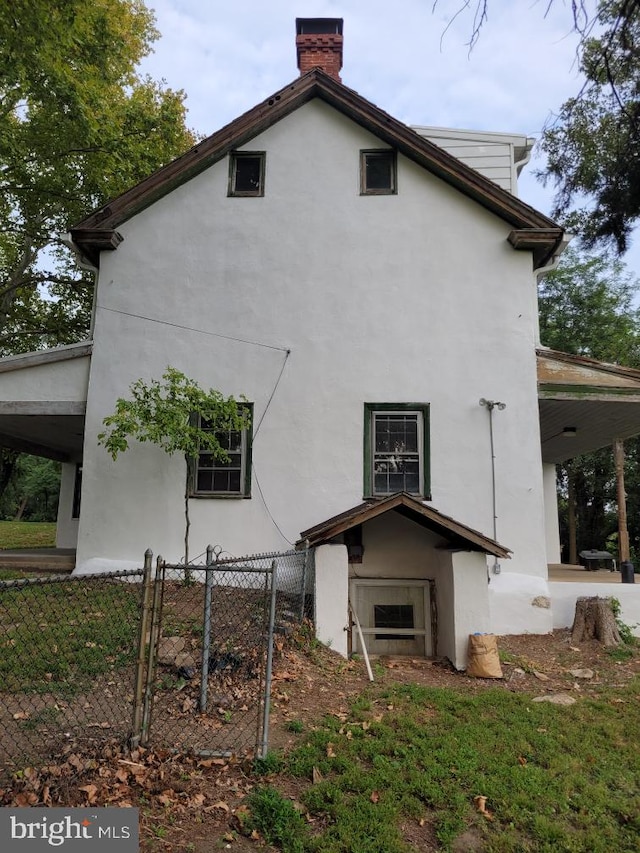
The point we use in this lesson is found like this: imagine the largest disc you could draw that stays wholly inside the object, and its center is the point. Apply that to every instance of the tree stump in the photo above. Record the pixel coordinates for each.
(594, 620)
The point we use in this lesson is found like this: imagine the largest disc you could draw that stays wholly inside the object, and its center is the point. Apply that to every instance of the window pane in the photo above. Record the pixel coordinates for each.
(412, 483)
(220, 481)
(379, 171)
(396, 457)
(247, 174)
(393, 616)
(205, 481)
(234, 481)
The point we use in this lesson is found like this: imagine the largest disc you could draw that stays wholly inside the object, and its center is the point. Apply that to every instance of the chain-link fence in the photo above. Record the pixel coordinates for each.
(68, 648)
(177, 657)
(213, 647)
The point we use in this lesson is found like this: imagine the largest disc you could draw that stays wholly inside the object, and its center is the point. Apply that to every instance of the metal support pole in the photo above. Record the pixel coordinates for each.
(490, 406)
(206, 634)
(269, 667)
(154, 637)
(136, 728)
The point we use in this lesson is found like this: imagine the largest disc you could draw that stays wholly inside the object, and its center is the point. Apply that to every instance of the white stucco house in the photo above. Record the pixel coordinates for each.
(370, 288)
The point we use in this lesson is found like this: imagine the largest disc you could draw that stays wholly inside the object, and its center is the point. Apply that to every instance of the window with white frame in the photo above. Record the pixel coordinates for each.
(396, 452)
(224, 478)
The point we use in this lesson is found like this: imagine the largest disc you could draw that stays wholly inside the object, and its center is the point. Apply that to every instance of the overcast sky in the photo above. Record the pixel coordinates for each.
(230, 56)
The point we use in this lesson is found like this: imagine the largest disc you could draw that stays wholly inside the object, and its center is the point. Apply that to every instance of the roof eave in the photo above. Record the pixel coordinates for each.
(459, 535)
(97, 232)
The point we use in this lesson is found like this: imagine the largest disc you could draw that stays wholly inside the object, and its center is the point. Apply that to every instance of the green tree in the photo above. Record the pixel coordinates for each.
(32, 491)
(171, 414)
(593, 146)
(587, 308)
(78, 125)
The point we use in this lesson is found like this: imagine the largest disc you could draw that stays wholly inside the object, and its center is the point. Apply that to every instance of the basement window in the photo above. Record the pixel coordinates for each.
(393, 616)
(246, 173)
(378, 173)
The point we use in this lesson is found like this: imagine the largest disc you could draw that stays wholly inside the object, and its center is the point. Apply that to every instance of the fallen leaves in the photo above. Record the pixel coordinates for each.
(480, 802)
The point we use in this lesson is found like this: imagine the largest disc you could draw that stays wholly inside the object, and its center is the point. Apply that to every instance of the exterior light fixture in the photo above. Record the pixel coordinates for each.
(569, 432)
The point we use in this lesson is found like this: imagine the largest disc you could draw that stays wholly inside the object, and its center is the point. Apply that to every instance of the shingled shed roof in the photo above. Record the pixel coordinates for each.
(531, 229)
(457, 536)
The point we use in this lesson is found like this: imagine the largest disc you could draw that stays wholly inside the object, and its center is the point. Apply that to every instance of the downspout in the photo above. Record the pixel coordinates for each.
(86, 265)
(490, 405)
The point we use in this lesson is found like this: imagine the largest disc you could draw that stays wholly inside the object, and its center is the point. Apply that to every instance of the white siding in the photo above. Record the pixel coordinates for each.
(494, 155)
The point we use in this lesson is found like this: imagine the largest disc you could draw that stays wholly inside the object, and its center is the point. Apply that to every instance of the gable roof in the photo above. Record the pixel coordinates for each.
(457, 535)
(531, 229)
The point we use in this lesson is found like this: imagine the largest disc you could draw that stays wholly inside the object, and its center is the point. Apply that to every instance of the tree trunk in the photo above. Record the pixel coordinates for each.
(594, 620)
(21, 509)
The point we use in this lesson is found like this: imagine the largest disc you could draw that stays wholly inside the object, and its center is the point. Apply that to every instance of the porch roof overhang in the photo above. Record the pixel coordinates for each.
(584, 404)
(43, 399)
(456, 536)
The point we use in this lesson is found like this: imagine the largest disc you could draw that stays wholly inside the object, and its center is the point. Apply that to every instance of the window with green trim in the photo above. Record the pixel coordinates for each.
(219, 478)
(396, 449)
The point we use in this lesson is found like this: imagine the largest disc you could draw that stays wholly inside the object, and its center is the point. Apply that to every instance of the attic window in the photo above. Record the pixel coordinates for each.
(246, 174)
(378, 172)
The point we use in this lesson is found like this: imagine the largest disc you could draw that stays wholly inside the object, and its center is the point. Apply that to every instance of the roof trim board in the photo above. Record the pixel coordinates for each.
(34, 359)
(458, 535)
(97, 232)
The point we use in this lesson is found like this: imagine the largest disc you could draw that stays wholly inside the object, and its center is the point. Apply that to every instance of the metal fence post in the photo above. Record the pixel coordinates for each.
(303, 592)
(206, 633)
(267, 686)
(142, 658)
(154, 637)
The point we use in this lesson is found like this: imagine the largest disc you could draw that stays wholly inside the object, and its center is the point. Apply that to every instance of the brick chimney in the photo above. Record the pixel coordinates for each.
(319, 45)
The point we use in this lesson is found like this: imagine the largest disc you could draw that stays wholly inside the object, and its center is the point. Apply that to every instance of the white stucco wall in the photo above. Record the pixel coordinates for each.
(415, 297)
(519, 604)
(552, 524)
(395, 546)
(471, 602)
(564, 595)
(332, 596)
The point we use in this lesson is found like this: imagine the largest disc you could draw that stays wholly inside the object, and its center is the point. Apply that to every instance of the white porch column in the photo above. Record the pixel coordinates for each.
(332, 596)
(67, 526)
(551, 521)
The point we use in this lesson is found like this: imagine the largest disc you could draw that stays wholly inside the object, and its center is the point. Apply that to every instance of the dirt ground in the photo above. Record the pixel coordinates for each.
(189, 804)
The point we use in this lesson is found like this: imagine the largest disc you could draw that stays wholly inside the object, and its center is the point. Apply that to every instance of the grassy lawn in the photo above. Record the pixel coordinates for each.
(57, 637)
(27, 534)
(412, 760)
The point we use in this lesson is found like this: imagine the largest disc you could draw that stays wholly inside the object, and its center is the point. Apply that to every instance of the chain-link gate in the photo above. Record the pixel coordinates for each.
(208, 631)
(165, 656)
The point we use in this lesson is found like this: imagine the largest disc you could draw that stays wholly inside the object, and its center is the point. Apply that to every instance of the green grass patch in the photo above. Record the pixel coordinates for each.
(556, 779)
(27, 534)
(57, 637)
(276, 819)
